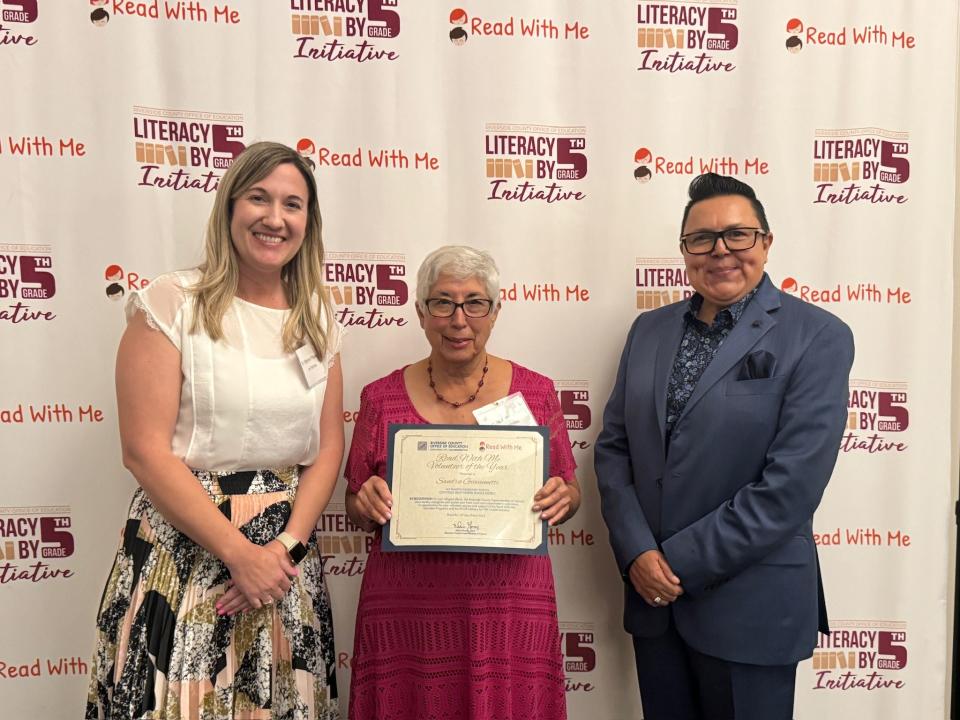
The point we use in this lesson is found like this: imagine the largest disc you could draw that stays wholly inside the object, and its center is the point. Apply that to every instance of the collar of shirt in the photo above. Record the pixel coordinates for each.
(728, 317)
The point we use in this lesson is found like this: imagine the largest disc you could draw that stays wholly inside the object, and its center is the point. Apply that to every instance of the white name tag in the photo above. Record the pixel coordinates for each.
(511, 410)
(314, 371)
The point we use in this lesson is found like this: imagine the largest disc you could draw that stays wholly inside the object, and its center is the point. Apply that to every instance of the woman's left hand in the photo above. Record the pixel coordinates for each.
(557, 500)
(233, 601)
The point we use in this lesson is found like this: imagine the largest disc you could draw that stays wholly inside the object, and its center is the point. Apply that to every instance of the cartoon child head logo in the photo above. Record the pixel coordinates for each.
(307, 149)
(794, 28)
(112, 274)
(643, 156)
(99, 17)
(458, 18)
(483, 446)
(789, 285)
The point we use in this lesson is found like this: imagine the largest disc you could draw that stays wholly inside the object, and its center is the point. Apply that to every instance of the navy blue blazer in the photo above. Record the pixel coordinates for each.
(730, 503)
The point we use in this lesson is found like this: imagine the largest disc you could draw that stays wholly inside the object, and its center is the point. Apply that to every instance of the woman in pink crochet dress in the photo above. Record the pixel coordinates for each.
(444, 635)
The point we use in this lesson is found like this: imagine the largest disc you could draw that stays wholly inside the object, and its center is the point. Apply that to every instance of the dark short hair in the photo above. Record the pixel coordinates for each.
(711, 185)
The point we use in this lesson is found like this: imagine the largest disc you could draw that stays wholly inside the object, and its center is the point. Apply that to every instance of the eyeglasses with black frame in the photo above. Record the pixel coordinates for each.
(472, 308)
(735, 239)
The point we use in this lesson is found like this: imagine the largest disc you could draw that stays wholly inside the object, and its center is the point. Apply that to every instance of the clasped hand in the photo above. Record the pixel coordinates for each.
(653, 579)
(261, 575)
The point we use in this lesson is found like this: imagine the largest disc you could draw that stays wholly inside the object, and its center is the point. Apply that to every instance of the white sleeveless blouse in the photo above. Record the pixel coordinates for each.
(244, 402)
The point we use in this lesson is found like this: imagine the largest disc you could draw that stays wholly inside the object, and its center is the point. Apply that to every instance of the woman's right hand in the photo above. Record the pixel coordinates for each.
(374, 501)
(260, 576)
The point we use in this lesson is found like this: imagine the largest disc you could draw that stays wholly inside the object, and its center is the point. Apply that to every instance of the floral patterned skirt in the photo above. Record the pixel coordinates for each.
(163, 653)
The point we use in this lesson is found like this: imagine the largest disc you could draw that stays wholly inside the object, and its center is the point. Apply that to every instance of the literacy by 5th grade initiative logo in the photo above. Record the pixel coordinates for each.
(535, 162)
(877, 415)
(345, 30)
(860, 655)
(694, 37)
(19, 12)
(660, 281)
(366, 289)
(185, 149)
(343, 546)
(34, 542)
(860, 165)
(27, 283)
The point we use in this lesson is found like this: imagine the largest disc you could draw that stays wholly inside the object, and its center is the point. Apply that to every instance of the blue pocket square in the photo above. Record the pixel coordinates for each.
(757, 365)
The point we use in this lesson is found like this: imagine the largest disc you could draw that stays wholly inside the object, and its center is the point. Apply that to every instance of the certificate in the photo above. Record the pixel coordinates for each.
(466, 488)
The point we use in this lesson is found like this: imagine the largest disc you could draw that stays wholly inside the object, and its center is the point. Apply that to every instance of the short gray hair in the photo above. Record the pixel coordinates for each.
(460, 262)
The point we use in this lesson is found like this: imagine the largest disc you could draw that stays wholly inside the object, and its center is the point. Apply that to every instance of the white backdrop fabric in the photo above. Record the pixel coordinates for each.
(560, 136)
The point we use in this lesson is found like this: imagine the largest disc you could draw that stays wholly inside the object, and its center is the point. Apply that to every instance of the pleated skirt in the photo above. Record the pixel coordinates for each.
(162, 651)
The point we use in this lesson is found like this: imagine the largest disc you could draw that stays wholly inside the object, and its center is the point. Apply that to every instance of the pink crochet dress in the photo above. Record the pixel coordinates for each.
(454, 636)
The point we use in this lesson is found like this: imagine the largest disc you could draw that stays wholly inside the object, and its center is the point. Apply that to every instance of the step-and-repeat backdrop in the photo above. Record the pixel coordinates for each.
(561, 136)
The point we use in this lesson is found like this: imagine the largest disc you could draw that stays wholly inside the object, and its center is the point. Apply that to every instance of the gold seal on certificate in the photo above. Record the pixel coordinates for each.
(466, 488)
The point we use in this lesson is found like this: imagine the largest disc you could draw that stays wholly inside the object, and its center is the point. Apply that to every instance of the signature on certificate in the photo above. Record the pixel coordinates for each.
(467, 526)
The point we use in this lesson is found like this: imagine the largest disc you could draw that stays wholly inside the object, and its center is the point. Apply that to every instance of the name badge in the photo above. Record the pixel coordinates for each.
(314, 371)
(511, 410)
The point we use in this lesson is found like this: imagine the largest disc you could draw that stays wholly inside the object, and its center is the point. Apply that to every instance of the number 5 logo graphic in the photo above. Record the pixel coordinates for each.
(390, 18)
(567, 156)
(576, 413)
(717, 25)
(58, 542)
(26, 11)
(224, 140)
(33, 271)
(890, 407)
(579, 655)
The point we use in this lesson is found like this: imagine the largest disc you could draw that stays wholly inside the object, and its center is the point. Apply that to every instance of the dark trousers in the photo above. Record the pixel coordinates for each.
(679, 683)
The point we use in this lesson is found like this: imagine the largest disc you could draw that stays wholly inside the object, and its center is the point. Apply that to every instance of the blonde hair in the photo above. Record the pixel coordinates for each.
(302, 276)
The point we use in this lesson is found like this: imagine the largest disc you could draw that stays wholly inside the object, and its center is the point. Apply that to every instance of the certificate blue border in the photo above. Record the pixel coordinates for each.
(386, 545)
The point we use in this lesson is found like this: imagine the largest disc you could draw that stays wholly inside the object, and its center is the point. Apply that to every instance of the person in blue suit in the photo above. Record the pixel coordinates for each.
(718, 440)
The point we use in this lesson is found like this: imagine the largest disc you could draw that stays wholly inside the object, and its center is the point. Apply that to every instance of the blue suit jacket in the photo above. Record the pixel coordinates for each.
(731, 503)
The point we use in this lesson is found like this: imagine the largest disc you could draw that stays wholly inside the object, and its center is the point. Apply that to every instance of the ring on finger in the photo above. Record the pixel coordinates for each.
(657, 600)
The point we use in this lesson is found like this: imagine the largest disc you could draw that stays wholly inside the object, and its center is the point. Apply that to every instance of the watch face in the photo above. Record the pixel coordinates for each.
(297, 553)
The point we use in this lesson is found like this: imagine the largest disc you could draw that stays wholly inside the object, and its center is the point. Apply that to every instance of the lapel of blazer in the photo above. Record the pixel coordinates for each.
(755, 322)
(666, 353)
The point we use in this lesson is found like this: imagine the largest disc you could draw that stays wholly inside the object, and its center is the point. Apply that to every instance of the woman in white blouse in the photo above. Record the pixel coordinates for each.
(229, 392)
